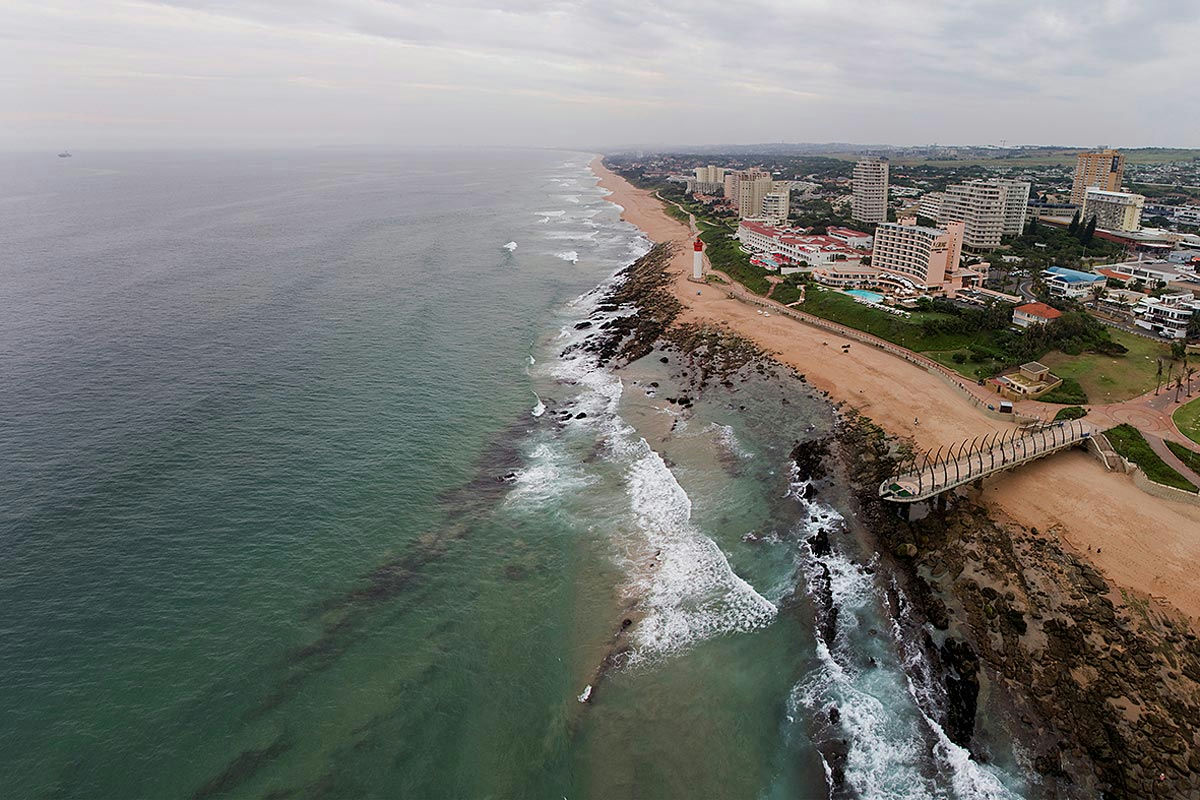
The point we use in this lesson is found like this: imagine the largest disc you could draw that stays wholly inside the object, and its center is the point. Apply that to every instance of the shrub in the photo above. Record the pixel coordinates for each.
(1070, 392)
(1069, 413)
(959, 357)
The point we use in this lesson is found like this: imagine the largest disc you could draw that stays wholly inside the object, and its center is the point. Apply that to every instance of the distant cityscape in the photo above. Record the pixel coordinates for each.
(907, 225)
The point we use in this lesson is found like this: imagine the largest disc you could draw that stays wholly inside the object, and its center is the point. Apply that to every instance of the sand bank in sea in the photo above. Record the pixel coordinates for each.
(1146, 544)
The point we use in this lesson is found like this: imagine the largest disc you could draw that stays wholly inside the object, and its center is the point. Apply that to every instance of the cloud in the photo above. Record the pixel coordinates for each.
(582, 71)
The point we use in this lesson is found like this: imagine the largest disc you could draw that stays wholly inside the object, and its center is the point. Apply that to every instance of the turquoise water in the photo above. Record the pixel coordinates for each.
(873, 297)
(292, 507)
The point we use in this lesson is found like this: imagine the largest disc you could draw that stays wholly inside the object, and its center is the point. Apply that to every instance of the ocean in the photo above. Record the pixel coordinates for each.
(309, 491)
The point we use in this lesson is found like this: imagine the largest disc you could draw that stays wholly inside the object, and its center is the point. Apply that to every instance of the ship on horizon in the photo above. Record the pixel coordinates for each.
(64, 154)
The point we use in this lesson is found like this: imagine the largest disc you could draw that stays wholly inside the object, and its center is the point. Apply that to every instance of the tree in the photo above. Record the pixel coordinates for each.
(1073, 228)
(1193, 328)
(1098, 290)
(1158, 377)
(1088, 232)
(1178, 351)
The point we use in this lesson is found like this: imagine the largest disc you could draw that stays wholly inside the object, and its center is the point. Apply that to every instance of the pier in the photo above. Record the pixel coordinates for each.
(931, 474)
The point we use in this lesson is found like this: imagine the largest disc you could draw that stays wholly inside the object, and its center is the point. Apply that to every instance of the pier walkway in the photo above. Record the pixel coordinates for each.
(930, 474)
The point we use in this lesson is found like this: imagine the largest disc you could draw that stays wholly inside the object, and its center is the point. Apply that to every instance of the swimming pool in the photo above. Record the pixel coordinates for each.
(870, 297)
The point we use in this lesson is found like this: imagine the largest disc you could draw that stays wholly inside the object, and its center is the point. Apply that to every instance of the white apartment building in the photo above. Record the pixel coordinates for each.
(988, 209)
(750, 187)
(918, 257)
(1168, 315)
(931, 204)
(870, 190)
(710, 174)
(1189, 215)
(775, 206)
(1113, 211)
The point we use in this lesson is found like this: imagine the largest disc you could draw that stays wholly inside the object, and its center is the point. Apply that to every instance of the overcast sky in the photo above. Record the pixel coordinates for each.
(181, 73)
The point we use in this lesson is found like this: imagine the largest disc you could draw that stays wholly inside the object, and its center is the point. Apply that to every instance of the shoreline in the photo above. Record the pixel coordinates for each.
(1099, 516)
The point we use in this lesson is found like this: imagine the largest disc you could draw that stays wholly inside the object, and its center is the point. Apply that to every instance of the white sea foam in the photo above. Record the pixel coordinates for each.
(540, 408)
(571, 198)
(510, 246)
(570, 236)
(885, 744)
(684, 583)
(568, 255)
(586, 694)
(728, 439)
(550, 475)
(546, 215)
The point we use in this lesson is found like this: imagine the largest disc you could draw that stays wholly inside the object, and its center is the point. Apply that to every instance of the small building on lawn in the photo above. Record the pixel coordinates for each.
(1031, 381)
(1034, 314)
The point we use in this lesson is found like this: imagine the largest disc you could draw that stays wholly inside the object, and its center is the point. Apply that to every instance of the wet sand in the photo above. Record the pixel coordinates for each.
(1139, 541)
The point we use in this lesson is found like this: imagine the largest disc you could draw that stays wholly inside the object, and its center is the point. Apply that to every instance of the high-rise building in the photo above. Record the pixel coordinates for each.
(752, 186)
(870, 190)
(1102, 169)
(710, 174)
(925, 258)
(931, 204)
(775, 206)
(989, 210)
(1114, 211)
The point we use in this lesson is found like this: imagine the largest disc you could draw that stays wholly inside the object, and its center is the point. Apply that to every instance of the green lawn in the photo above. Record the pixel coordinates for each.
(1187, 419)
(1127, 441)
(1108, 379)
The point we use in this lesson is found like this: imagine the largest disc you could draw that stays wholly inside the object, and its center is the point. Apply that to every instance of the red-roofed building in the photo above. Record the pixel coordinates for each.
(796, 251)
(1034, 314)
(1117, 277)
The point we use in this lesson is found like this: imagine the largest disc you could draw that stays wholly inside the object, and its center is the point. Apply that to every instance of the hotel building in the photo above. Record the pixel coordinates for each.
(988, 209)
(870, 190)
(919, 257)
(1114, 211)
(1102, 169)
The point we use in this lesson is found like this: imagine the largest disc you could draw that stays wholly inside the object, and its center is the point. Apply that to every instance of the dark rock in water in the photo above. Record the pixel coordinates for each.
(507, 478)
(810, 491)
(750, 537)
(962, 690)
(819, 542)
(625, 623)
(583, 325)
(664, 360)
(581, 415)
(835, 716)
(809, 458)
(653, 384)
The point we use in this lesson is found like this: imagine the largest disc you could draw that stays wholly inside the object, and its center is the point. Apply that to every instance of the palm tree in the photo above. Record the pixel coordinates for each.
(1158, 377)
(1190, 372)
(1098, 290)
(1178, 386)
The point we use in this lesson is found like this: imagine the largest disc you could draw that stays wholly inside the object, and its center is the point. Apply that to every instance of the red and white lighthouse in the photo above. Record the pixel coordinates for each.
(698, 261)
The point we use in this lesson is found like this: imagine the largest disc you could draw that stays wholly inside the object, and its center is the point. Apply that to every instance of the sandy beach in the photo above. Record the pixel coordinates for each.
(1138, 541)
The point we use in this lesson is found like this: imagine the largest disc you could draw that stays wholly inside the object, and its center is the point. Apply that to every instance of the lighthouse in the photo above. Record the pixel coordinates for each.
(698, 261)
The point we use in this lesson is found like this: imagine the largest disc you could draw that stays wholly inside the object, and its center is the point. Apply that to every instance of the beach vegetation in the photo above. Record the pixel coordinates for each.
(1069, 391)
(1190, 458)
(1070, 413)
(1133, 447)
(1112, 378)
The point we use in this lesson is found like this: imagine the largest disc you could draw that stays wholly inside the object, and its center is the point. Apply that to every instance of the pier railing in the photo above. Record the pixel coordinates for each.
(929, 474)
